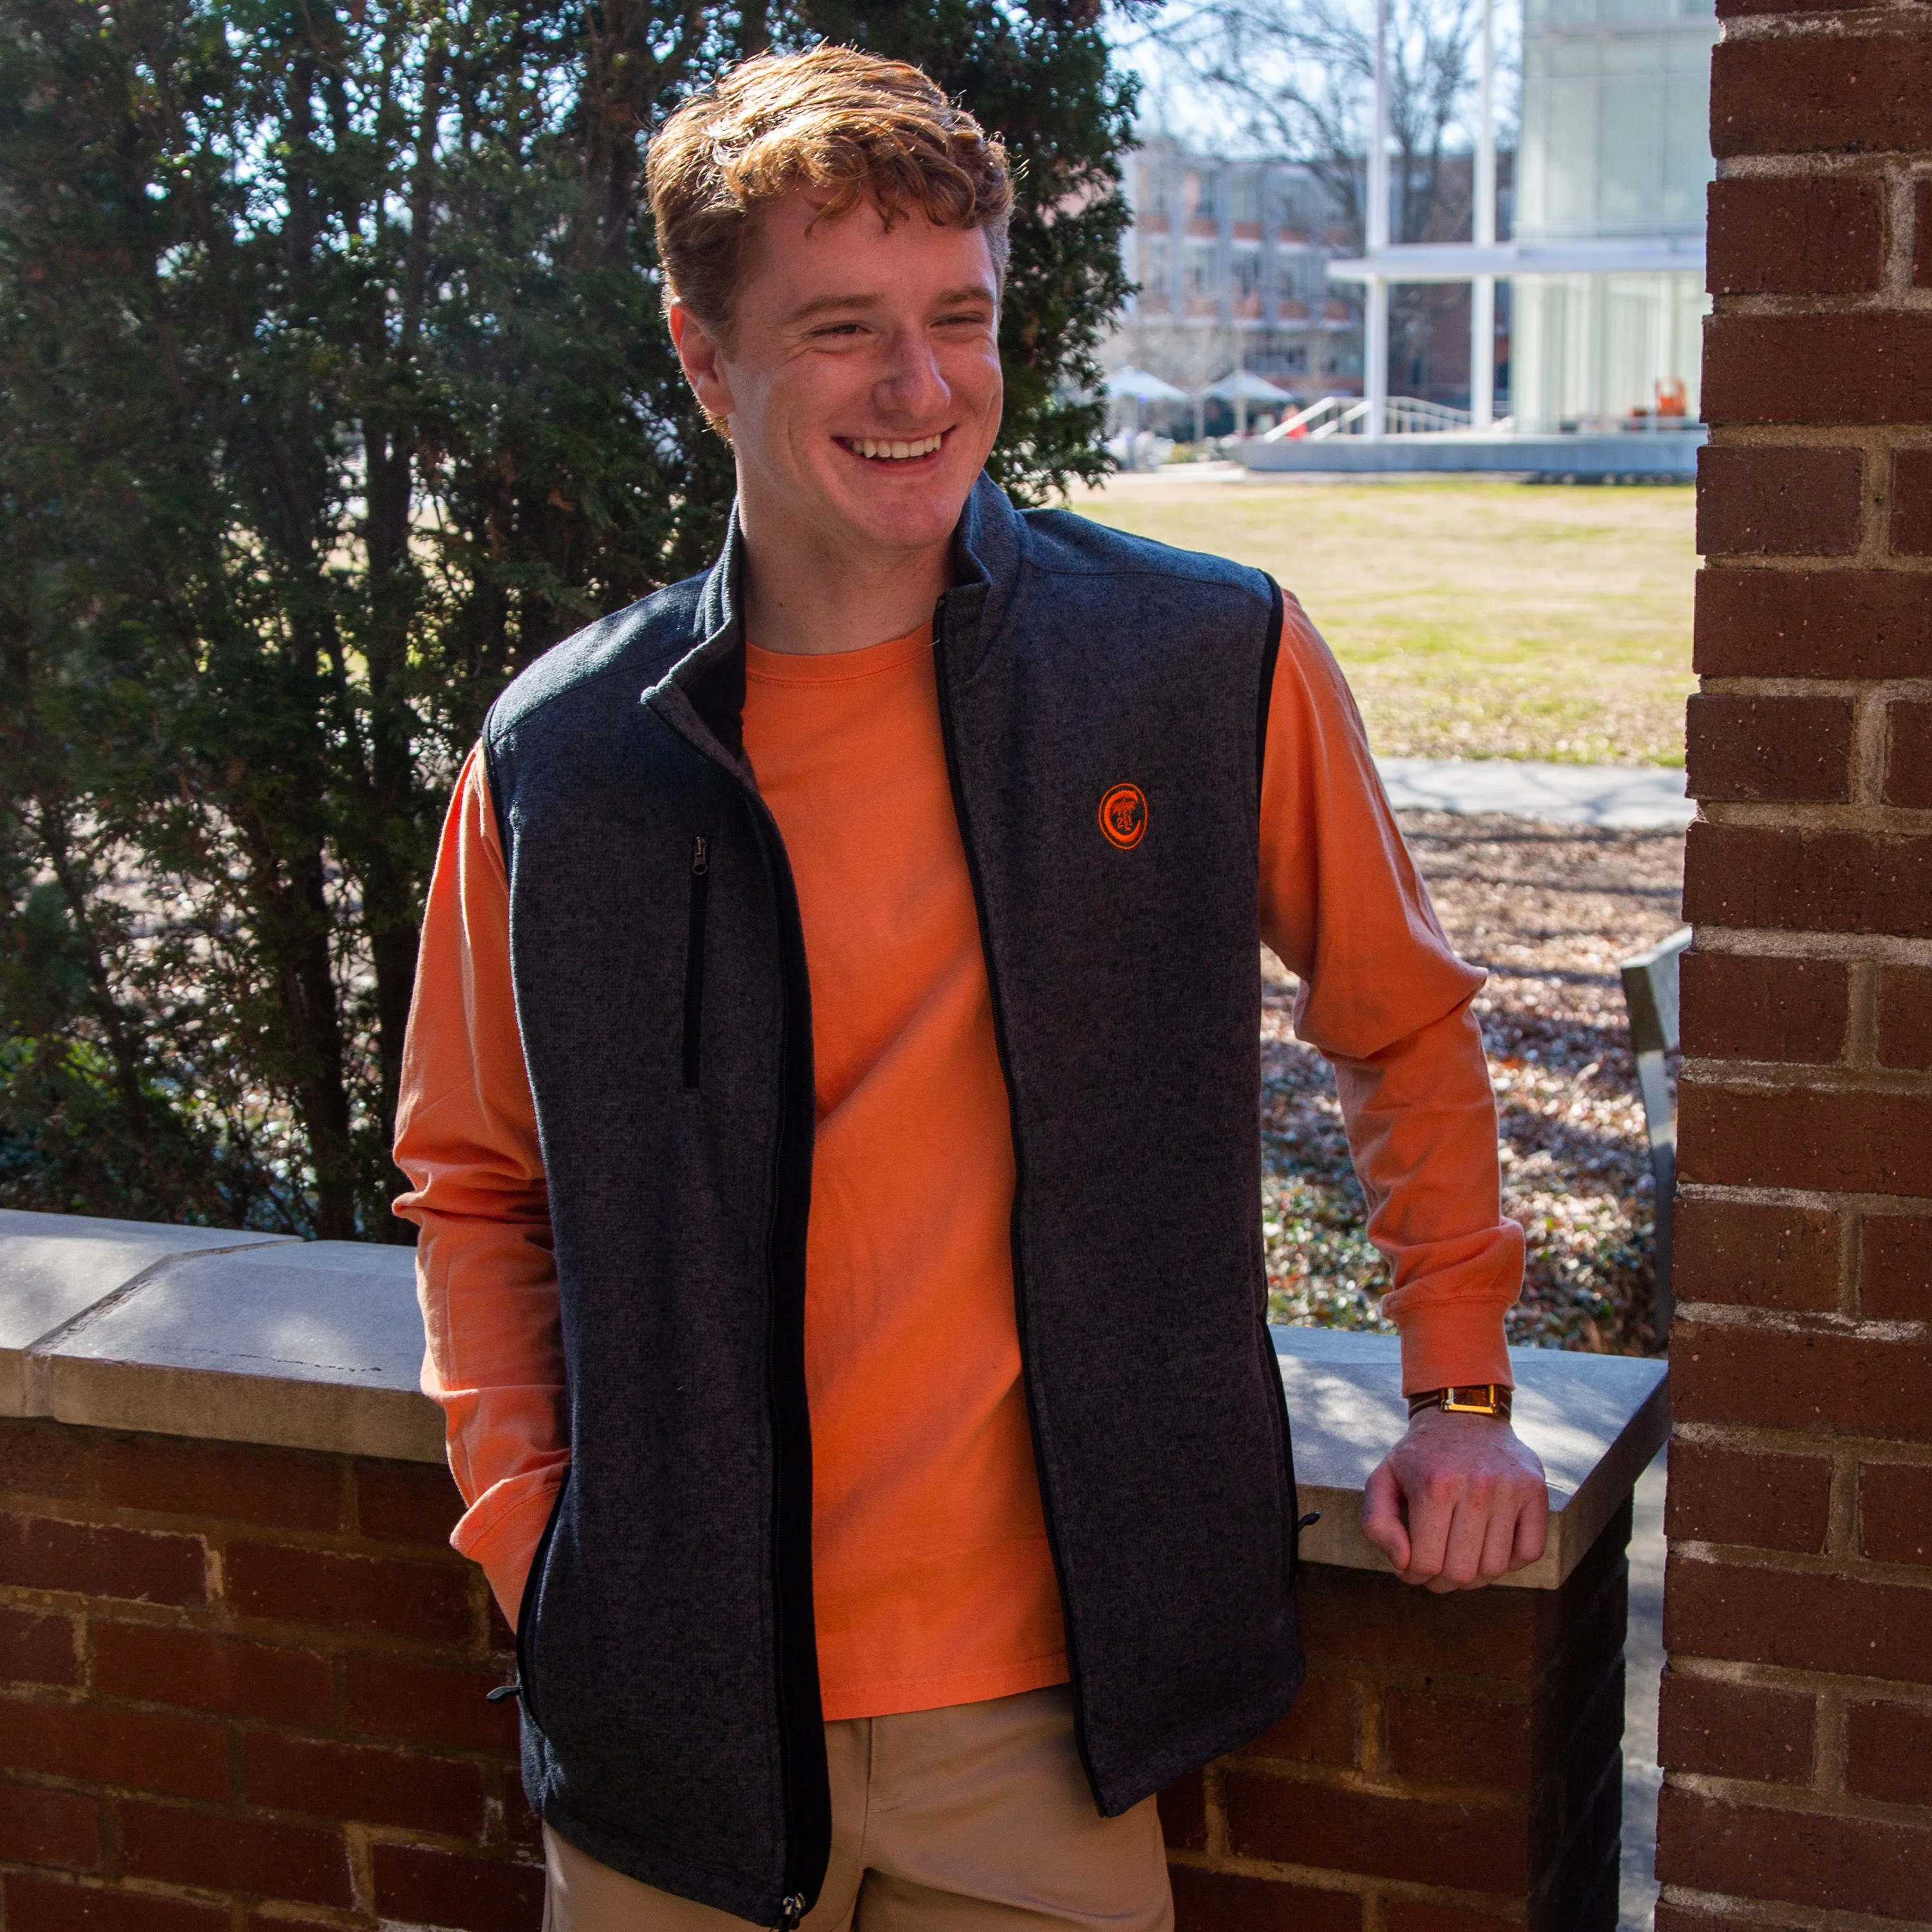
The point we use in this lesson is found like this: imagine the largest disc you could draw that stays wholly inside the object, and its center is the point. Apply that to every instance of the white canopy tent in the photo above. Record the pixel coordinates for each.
(1141, 387)
(1245, 386)
(1239, 388)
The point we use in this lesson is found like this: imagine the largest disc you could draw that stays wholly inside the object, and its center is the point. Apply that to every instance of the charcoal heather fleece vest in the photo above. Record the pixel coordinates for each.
(1102, 700)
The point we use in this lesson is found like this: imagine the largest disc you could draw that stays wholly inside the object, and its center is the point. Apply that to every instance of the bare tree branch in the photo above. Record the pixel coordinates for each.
(1296, 79)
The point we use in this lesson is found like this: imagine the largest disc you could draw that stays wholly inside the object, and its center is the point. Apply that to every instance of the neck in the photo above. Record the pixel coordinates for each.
(801, 594)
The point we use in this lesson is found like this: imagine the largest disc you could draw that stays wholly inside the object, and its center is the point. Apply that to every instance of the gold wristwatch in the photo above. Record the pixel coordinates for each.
(1465, 1399)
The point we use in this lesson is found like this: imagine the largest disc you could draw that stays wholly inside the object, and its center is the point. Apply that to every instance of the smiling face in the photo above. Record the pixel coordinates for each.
(862, 381)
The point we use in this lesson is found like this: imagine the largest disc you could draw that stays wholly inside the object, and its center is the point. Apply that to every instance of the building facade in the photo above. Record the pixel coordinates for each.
(1231, 257)
(1615, 148)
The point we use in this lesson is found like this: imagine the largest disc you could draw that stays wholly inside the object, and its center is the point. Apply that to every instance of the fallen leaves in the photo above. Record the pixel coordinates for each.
(1549, 910)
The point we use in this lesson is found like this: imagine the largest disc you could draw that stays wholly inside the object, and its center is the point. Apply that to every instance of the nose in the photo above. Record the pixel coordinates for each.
(911, 387)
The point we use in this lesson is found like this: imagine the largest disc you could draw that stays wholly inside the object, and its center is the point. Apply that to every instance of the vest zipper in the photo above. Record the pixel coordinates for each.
(804, 1777)
(804, 1781)
(948, 740)
(693, 957)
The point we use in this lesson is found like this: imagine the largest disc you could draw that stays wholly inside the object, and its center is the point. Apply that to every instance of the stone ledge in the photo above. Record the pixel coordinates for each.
(228, 1337)
(55, 1269)
(215, 1334)
(1596, 1420)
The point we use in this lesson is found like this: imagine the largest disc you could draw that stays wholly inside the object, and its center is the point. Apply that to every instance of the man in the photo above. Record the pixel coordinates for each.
(831, 1103)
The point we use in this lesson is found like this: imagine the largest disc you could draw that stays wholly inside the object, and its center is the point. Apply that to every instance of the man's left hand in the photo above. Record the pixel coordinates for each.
(1458, 1502)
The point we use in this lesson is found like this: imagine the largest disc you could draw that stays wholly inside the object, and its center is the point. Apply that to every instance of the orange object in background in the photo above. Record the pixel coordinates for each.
(1673, 398)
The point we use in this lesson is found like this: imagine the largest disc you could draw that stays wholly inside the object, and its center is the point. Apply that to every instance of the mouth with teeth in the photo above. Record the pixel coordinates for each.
(882, 449)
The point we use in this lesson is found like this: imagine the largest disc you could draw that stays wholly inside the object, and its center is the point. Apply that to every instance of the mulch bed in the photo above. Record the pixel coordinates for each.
(1549, 910)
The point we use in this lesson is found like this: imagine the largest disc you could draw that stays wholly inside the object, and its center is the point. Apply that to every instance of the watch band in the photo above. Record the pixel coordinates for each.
(1465, 1399)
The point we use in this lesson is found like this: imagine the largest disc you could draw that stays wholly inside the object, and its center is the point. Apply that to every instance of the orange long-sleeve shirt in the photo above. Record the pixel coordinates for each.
(933, 1581)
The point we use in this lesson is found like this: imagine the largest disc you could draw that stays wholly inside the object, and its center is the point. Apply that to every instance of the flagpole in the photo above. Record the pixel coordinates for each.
(1374, 346)
(1482, 292)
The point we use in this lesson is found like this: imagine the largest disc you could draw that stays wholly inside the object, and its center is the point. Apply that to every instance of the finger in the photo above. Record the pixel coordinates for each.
(1462, 1548)
(1381, 1516)
(1499, 1536)
(1429, 1520)
(1532, 1528)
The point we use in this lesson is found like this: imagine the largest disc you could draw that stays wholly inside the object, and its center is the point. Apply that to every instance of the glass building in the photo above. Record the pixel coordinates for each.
(1615, 148)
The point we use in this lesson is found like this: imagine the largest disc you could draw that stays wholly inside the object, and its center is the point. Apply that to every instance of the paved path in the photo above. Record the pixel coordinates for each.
(1643, 1667)
(1624, 797)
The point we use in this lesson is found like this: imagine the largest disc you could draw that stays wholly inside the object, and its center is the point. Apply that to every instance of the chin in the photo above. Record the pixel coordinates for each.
(916, 521)
(910, 534)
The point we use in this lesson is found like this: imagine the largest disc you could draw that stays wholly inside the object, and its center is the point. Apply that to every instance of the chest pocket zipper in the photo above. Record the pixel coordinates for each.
(693, 958)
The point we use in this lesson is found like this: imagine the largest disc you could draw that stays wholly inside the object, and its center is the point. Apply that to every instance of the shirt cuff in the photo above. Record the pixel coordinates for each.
(506, 1546)
(1445, 1343)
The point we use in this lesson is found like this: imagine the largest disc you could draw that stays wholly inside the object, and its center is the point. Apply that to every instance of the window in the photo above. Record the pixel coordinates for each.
(1153, 270)
(1246, 274)
(1247, 195)
(1200, 270)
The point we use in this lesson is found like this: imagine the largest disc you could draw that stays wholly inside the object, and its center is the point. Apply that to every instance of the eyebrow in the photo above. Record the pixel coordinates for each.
(825, 304)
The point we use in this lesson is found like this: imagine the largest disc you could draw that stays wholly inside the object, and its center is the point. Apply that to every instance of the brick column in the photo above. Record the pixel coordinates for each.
(1797, 1715)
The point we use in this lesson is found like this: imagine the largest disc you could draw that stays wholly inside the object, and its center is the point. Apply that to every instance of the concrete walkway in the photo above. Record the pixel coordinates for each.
(1643, 1669)
(1625, 798)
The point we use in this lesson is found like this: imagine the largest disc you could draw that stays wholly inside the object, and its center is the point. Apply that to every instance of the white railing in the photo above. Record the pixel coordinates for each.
(1337, 415)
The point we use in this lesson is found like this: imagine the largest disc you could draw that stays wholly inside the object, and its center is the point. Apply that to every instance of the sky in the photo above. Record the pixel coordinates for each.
(1174, 103)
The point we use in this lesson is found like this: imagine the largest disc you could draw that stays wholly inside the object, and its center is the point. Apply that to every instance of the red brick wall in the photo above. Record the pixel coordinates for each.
(1453, 1765)
(1797, 1714)
(241, 1690)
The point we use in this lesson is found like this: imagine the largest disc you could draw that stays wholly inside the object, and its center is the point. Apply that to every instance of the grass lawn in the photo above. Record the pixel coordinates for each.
(1475, 619)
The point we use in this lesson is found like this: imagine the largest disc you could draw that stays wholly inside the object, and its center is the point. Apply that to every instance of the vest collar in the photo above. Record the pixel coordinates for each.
(702, 694)
(986, 549)
(706, 686)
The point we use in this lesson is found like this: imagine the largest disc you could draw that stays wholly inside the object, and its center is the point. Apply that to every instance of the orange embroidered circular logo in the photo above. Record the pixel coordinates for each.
(1124, 815)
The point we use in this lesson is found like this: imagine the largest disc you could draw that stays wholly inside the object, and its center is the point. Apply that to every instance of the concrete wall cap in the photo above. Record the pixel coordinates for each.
(57, 1270)
(311, 1346)
(233, 1337)
(1596, 1420)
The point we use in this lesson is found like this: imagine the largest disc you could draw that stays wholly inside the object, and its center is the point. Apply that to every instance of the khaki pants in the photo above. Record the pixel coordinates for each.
(977, 1818)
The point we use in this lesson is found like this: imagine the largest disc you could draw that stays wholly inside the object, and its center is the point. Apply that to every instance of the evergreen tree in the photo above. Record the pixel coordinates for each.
(333, 389)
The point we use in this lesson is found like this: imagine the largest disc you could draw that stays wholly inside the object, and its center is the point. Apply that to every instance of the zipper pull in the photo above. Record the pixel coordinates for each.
(700, 856)
(793, 1906)
(515, 1689)
(1308, 1522)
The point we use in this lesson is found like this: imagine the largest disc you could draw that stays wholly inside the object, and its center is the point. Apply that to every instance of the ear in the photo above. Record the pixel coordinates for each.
(703, 361)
